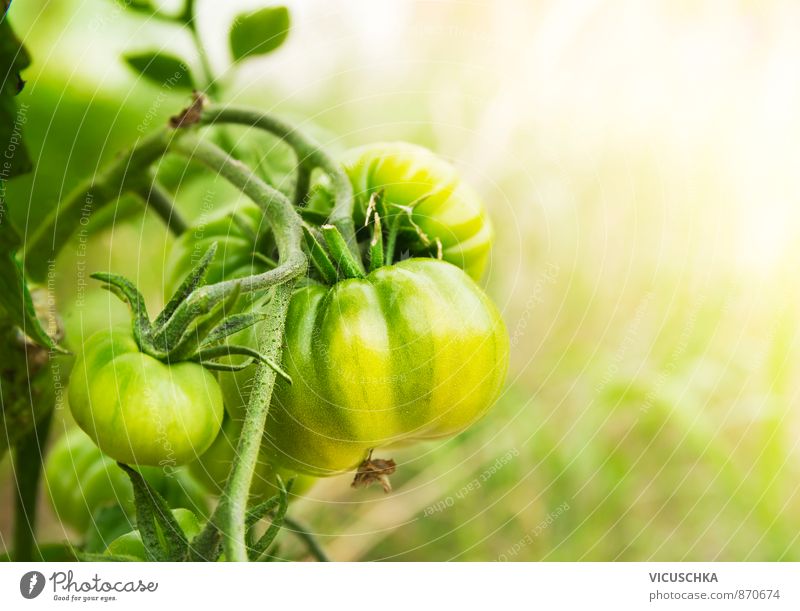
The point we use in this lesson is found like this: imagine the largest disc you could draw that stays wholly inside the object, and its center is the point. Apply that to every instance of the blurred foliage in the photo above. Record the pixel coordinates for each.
(639, 159)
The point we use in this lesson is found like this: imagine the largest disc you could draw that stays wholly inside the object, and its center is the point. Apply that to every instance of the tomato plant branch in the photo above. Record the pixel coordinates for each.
(160, 202)
(311, 543)
(28, 457)
(302, 184)
(230, 515)
(122, 175)
(309, 154)
(284, 220)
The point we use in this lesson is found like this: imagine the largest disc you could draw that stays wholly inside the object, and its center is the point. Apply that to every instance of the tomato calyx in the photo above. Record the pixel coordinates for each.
(187, 332)
(374, 471)
(337, 262)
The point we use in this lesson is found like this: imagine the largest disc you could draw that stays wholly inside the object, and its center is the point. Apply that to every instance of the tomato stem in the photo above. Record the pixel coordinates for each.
(27, 468)
(157, 199)
(119, 177)
(302, 532)
(279, 212)
(302, 184)
(309, 154)
(230, 515)
(231, 511)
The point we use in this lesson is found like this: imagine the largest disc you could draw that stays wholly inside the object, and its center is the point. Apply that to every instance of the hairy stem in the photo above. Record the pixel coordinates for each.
(302, 184)
(28, 458)
(121, 176)
(308, 152)
(229, 517)
(161, 203)
(281, 215)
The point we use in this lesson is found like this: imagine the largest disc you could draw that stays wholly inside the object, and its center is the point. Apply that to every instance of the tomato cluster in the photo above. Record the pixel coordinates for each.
(413, 350)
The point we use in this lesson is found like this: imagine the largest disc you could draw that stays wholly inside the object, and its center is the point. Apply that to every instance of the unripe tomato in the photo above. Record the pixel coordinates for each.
(139, 410)
(213, 467)
(80, 479)
(130, 544)
(413, 351)
(236, 233)
(443, 205)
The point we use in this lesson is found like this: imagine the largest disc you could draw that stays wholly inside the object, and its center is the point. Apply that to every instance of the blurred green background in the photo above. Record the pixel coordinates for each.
(639, 162)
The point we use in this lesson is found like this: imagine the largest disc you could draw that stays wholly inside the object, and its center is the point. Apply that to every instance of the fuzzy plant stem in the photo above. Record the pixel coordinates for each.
(28, 457)
(159, 201)
(229, 517)
(309, 154)
(279, 212)
(122, 175)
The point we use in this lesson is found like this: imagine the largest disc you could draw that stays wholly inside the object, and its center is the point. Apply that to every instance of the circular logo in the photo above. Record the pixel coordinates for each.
(31, 584)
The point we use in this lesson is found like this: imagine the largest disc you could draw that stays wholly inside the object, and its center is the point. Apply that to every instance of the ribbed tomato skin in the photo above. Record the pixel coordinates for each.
(414, 351)
(443, 205)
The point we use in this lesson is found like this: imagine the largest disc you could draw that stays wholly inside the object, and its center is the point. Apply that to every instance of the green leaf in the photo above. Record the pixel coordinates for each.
(13, 59)
(15, 297)
(162, 69)
(139, 6)
(259, 32)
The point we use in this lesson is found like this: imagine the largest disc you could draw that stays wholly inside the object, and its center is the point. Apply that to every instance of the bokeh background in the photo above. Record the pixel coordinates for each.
(639, 160)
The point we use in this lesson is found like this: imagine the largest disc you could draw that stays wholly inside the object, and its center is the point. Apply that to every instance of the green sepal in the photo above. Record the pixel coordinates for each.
(197, 329)
(319, 258)
(193, 279)
(346, 262)
(233, 324)
(215, 352)
(128, 293)
(376, 258)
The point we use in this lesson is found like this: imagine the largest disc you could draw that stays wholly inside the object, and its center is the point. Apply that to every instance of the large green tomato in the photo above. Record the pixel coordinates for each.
(139, 410)
(213, 467)
(239, 235)
(80, 479)
(130, 544)
(414, 351)
(442, 205)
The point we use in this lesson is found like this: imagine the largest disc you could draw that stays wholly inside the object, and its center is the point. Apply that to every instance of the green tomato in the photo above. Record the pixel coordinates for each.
(139, 410)
(80, 479)
(237, 235)
(130, 544)
(414, 351)
(442, 206)
(213, 467)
